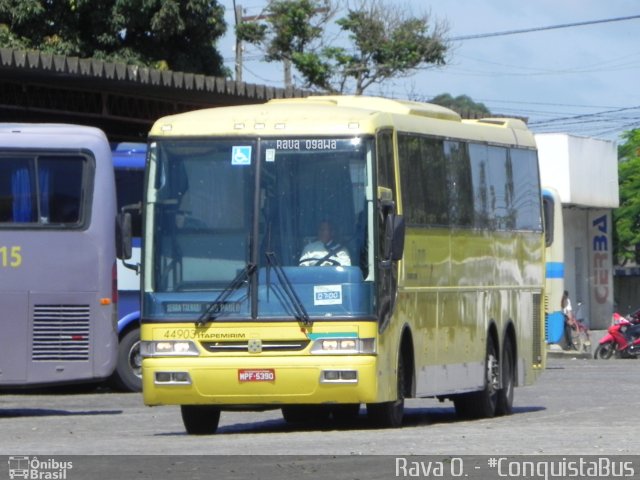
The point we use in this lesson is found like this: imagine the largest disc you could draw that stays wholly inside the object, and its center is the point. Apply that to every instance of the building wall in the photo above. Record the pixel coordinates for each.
(588, 264)
(583, 170)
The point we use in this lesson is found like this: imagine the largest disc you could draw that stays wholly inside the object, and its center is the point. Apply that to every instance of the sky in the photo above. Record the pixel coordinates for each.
(580, 80)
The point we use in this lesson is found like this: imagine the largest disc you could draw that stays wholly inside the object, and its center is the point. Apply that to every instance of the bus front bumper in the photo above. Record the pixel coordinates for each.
(260, 381)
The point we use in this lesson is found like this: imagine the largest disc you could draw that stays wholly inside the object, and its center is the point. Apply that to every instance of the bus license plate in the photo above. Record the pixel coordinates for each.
(260, 375)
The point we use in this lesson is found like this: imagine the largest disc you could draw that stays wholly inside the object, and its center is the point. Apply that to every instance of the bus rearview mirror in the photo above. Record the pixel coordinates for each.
(394, 229)
(123, 236)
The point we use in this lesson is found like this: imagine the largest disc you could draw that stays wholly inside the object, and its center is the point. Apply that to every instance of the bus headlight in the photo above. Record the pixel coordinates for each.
(344, 346)
(161, 348)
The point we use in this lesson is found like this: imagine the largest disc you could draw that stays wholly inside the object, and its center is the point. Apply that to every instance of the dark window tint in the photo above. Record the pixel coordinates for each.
(459, 184)
(46, 190)
(129, 185)
(460, 187)
(526, 180)
(482, 194)
(424, 180)
(386, 176)
(548, 205)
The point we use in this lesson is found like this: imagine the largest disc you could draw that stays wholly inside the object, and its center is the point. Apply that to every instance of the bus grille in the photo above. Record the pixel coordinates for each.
(60, 332)
(265, 346)
(537, 330)
(546, 317)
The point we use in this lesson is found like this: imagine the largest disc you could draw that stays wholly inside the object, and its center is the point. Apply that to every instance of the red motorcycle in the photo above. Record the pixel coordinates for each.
(622, 338)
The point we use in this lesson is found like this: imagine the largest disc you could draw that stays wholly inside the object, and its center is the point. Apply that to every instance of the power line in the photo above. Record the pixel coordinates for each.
(540, 29)
(612, 64)
(549, 104)
(583, 116)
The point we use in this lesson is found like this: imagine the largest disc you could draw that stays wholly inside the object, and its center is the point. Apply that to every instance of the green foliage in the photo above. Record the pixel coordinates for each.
(292, 25)
(317, 72)
(177, 34)
(386, 43)
(251, 32)
(627, 217)
(383, 43)
(462, 104)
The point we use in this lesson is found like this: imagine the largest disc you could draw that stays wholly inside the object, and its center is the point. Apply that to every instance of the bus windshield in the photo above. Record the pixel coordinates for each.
(298, 209)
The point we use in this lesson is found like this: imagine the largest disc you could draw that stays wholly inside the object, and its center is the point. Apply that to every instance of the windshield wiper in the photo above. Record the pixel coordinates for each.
(299, 311)
(218, 303)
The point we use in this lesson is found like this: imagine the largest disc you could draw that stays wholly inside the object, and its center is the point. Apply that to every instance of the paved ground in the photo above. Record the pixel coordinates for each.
(574, 408)
(578, 407)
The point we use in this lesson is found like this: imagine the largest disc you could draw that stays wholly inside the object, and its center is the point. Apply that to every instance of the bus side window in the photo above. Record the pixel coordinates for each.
(547, 205)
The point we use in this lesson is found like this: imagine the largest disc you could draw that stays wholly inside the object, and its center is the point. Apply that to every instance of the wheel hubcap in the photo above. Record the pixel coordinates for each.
(493, 374)
(135, 360)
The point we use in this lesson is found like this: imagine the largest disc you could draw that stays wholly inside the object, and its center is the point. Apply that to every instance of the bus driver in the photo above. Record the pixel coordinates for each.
(325, 250)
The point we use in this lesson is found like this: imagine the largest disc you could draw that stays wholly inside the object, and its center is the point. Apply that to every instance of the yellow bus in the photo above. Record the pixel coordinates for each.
(427, 260)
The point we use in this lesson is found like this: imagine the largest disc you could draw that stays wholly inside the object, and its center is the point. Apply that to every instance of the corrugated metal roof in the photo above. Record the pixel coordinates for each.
(121, 72)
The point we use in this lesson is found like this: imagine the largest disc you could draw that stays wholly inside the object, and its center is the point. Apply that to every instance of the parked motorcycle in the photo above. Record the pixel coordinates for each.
(621, 340)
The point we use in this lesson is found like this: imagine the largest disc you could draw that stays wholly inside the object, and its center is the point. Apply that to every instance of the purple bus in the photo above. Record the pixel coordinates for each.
(58, 281)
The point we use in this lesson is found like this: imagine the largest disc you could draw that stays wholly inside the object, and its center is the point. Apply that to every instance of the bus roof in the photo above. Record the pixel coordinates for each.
(340, 115)
(129, 155)
(51, 135)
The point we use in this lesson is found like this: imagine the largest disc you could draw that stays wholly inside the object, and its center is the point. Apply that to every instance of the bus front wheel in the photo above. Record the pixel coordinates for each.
(200, 419)
(483, 403)
(390, 414)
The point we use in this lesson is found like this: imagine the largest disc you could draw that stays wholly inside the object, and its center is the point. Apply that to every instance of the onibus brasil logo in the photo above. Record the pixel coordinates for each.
(38, 469)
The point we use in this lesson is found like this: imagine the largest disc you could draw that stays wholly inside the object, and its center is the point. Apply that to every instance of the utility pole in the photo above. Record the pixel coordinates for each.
(238, 17)
(288, 83)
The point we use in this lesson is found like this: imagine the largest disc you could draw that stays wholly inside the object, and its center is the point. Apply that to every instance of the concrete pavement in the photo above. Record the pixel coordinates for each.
(555, 350)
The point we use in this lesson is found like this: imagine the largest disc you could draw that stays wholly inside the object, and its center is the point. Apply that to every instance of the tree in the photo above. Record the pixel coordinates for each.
(384, 42)
(175, 34)
(463, 104)
(626, 218)
(292, 25)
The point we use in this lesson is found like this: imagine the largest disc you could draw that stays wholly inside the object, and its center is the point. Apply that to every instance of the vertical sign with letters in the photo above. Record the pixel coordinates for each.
(600, 268)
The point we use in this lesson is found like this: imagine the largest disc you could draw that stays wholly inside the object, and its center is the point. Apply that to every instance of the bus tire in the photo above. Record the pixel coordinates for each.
(200, 419)
(483, 403)
(390, 414)
(504, 405)
(128, 373)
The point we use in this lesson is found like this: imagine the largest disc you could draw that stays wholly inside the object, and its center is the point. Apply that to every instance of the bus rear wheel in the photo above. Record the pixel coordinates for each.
(200, 419)
(504, 405)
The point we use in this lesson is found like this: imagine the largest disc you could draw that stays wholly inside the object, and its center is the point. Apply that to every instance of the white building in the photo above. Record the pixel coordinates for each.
(584, 171)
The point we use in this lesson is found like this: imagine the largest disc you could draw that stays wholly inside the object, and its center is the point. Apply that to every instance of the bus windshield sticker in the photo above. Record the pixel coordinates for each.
(327, 295)
(241, 155)
(310, 144)
(270, 155)
(199, 307)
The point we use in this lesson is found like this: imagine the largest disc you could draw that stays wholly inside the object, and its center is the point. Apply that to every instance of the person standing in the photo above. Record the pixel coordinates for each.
(569, 320)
